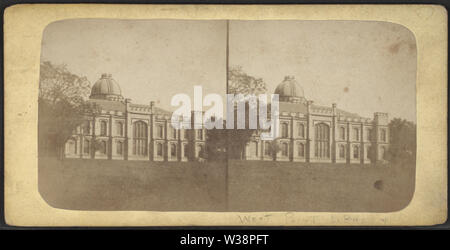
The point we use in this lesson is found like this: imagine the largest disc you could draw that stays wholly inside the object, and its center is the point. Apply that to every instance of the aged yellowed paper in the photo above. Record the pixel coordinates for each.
(343, 74)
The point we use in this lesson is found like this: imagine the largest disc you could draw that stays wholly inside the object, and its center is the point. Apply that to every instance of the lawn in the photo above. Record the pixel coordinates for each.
(252, 186)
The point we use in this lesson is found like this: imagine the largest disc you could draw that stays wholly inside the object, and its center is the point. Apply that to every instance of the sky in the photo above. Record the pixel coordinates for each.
(363, 66)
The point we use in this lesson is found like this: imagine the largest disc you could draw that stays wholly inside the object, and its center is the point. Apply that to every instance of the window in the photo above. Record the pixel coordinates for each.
(383, 153)
(201, 150)
(342, 133)
(186, 151)
(119, 128)
(160, 130)
(355, 152)
(119, 148)
(200, 134)
(284, 130)
(369, 152)
(301, 130)
(174, 133)
(284, 149)
(383, 135)
(173, 150)
(86, 146)
(369, 134)
(103, 147)
(87, 128)
(159, 149)
(103, 128)
(71, 147)
(342, 151)
(301, 150)
(267, 148)
(322, 144)
(185, 135)
(254, 148)
(356, 134)
(139, 138)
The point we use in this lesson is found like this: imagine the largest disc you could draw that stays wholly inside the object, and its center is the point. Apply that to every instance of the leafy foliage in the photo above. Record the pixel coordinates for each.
(402, 146)
(241, 83)
(62, 103)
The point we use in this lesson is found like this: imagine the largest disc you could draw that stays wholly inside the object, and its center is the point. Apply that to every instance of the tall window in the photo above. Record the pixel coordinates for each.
(342, 151)
(356, 134)
(119, 148)
(159, 149)
(301, 130)
(200, 134)
(284, 149)
(301, 150)
(174, 133)
(355, 151)
(87, 127)
(71, 147)
(369, 134)
(201, 151)
(383, 153)
(103, 127)
(173, 150)
(284, 130)
(383, 135)
(267, 148)
(119, 128)
(86, 146)
(185, 150)
(322, 145)
(254, 148)
(369, 152)
(103, 147)
(342, 133)
(160, 130)
(139, 138)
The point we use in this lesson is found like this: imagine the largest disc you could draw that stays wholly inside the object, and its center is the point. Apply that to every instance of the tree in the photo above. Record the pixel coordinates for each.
(241, 83)
(402, 146)
(62, 104)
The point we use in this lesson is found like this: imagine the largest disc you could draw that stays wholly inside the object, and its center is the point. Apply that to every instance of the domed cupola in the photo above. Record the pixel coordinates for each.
(106, 88)
(290, 91)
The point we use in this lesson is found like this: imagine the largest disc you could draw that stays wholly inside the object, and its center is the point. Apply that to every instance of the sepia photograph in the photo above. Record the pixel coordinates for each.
(339, 98)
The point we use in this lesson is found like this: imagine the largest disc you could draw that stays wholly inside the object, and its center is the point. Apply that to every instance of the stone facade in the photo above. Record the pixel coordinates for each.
(308, 132)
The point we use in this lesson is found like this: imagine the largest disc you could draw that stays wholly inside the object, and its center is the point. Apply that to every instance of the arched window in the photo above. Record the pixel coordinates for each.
(356, 134)
(284, 149)
(267, 148)
(140, 138)
(301, 130)
(355, 152)
(71, 146)
(342, 133)
(159, 149)
(301, 150)
(173, 150)
(119, 128)
(284, 130)
(119, 148)
(322, 144)
(342, 151)
(86, 146)
(103, 128)
(185, 150)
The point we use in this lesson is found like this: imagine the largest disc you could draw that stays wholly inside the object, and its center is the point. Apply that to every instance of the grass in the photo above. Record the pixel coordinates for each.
(252, 186)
